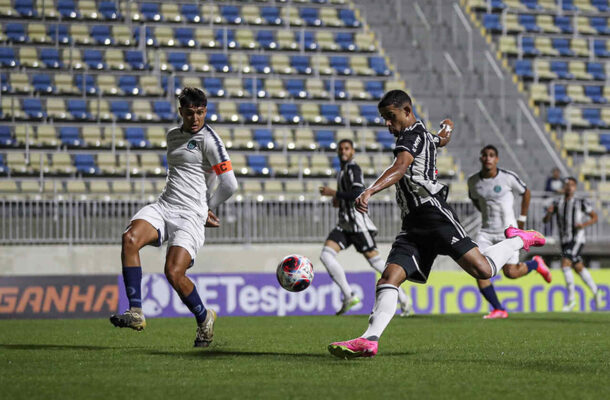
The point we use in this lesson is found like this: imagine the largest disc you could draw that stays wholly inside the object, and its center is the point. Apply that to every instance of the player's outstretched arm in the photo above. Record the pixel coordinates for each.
(525, 205)
(388, 178)
(445, 133)
(227, 185)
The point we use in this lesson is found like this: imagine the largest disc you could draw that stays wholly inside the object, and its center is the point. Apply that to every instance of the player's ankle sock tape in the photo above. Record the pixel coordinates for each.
(132, 277)
(531, 265)
(490, 295)
(195, 305)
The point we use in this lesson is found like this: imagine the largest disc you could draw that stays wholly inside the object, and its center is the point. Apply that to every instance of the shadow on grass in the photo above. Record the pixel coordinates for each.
(220, 353)
(55, 347)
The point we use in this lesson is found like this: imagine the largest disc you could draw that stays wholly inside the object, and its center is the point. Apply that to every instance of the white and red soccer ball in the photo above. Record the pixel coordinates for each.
(295, 273)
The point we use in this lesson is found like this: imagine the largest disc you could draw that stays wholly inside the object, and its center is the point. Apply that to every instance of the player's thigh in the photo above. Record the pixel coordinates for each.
(393, 274)
(186, 230)
(333, 245)
(475, 264)
(337, 240)
(140, 233)
(364, 242)
(413, 257)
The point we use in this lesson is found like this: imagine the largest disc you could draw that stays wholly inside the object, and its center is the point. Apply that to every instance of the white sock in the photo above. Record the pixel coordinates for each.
(500, 253)
(335, 270)
(567, 273)
(383, 311)
(379, 265)
(588, 279)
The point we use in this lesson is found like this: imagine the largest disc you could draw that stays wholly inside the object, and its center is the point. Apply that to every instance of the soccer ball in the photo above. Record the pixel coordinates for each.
(295, 273)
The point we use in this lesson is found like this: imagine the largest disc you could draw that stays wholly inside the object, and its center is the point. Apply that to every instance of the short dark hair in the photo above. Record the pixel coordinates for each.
(396, 98)
(490, 147)
(571, 178)
(191, 96)
(351, 143)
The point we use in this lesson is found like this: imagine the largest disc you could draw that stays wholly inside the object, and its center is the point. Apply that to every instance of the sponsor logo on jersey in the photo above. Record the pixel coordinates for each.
(497, 188)
(191, 144)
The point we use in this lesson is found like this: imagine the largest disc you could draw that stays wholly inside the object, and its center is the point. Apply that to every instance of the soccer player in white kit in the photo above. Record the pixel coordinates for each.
(196, 158)
(492, 192)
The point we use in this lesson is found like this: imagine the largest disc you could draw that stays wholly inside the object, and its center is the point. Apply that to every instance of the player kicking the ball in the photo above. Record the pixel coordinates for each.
(353, 228)
(492, 192)
(196, 158)
(429, 225)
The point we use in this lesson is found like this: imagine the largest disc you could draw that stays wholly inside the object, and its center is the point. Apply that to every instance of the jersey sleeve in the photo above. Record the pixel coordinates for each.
(472, 193)
(436, 140)
(216, 154)
(586, 206)
(411, 142)
(516, 184)
(355, 176)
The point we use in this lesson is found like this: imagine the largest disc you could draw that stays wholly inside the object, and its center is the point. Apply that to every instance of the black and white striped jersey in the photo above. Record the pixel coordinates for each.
(569, 213)
(419, 184)
(350, 180)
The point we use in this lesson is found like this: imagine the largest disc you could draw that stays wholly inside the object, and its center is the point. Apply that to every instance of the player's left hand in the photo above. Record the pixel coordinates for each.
(213, 221)
(326, 191)
(362, 202)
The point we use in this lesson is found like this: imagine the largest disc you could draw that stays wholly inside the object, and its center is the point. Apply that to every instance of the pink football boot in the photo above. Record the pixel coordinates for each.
(530, 238)
(543, 269)
(359, 347)
(496, 314)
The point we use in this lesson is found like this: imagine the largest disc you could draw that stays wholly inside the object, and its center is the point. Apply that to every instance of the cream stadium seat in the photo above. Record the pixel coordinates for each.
(228, 111)
(291, 14)
(47, 136)
(64, 84)
(205, 37)
(360, 65)
(329, 17)
(39, 162)
(320, 165)
(165, 36)
(156, 136)
(108, 85)
(72, 58)
(304, 139)
(321, 64)
(577, 94)
(245, 38)
(17, 163)
(151, 86)
(508, 45)
(38, 33)
(211, 12)
(251, 15)
(170, 12)
(315, 88)
(61, 163)
(242, 138)
(286, 41)
(280, 63)
(199, 61)
(122, 35)
(364, 161)
(20, 83)
(88, 10)
(80, 34)
(275, 88)
(128, 162)
(56, 109)
(151, 164)
(115, 60)
(25, 133)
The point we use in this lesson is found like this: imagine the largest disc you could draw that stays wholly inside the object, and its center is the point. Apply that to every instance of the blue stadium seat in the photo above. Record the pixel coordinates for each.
(341, 65)
(59, 33)
(597, 70)
(70, 136)
(385, 139)
(213, 87)
(555, 116)
(331, 113)
(135, 59)
(301, 64)
(258, 164)
(129, 84)
(528, 21)
(561, 69)
(325, 138)
(25, 8)
(563, 46)
(50, 58)
(67, 9)
(7, 57)
(310, 16)
(604, 140)
(290, 112)
(377, 63)
(3, 168)
(185, 36)
(149, 39)
(212, 114)
(108, 10)
(528, 46)
(136, 137)
(370, 114)
(86, 83)
(255, 86)
(568, 5)
(85, 164)
(190, 12)
(121, 109)
(220, 38)
(335, 163)
(595, 93)
(600, 24)
(179, 61)
(561, 95)
(348, 17)
(531, 4)
(6, 139)
(164, 161)
(345, 40)
(16, 33)
(260, 63)
(33, 109)
(102, 35)
(151, 12)
(94, 59)
(5, 85)
(375, 88)
(249, 111)
(271, 15)
(593, 115)
(164, 110)
(491, 22)
(266, 39)
(564, 23)
(602, 5)
(165, 81)
(296, 88)
(231, 14)
(600, 49)
(339, 88)
(308, 38)
(220, 62)
(78, 109)
(264, 138)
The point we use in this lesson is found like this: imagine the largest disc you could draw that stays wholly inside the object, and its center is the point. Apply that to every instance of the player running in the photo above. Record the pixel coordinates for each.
(196, 158)
(570, 211)
(492, 192)
(353, 228)
(429, 225)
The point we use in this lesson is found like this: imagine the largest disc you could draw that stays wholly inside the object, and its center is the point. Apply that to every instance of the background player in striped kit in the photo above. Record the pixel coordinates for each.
(492, 191)
(353, 228)
(570, 212)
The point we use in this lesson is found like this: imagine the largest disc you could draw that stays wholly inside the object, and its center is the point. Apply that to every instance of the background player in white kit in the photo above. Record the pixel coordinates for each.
(492, 192)
(570, 212)
(196, 158)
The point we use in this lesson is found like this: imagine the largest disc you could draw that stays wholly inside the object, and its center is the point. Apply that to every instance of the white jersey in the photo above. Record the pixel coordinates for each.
(495, 198)
(191, 158)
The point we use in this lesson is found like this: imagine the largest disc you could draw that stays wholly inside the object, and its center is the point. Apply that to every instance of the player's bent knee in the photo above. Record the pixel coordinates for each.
(393, 274)
(173, 274)
(129, 241)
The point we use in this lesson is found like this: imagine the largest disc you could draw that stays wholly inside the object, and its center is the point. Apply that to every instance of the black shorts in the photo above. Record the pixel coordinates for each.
(571, 250)
(362, 241)
(430, 230)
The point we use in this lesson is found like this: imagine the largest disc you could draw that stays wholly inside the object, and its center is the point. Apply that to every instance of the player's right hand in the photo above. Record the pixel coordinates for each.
(213, 221)
(362, 202)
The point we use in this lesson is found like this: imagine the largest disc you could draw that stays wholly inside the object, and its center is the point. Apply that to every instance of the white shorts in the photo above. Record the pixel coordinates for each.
(181, 228)
(484, 240)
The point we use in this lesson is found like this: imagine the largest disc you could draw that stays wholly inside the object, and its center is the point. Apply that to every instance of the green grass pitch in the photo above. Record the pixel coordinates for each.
(528, 356)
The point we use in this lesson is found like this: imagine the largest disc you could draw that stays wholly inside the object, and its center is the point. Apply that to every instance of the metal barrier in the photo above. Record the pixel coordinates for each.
(74, 221)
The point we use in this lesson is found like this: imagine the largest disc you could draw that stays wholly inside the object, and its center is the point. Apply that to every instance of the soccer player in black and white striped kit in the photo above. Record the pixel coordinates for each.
(353, 228)
(570, 212)
(429, 225)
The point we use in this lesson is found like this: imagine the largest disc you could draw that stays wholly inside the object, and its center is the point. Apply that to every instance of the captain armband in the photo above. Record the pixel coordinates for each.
(222, 167)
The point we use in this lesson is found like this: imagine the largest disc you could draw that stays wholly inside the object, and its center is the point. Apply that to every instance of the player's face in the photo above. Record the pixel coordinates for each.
(345, 152)
(489, 159)
(397, 118)
(193, 118)
(570, 187)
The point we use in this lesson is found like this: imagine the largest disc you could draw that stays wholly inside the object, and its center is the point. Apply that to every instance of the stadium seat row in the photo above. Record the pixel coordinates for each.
(555, 6)
(93, 136)
(545, 23)
(74, 59)
(550, 69)
(150, 85)
(208, 12)
(590, 141)
(529, 46)
(579, 117)
(58, 109)
(207, 38)
(595, 167)
(573, 93)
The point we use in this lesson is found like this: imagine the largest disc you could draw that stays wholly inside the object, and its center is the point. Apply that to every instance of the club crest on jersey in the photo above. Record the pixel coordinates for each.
(191, 144)
(497, 188)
